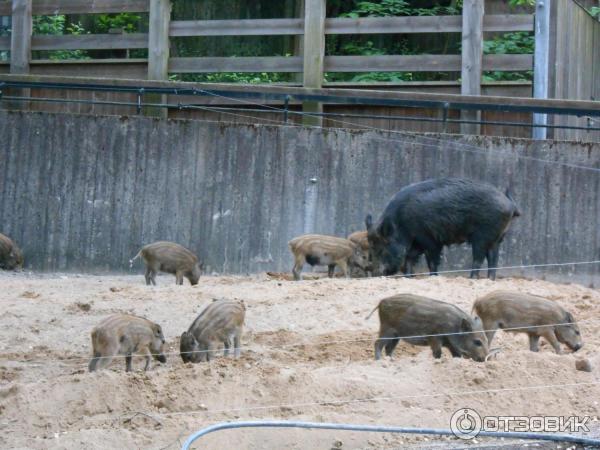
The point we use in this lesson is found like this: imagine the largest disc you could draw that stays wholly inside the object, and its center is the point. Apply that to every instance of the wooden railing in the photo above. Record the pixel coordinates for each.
(20, 9)
(314, 26)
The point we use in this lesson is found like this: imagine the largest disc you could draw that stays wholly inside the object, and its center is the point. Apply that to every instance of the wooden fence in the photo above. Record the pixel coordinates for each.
(314, 27)
(574, 61)
(311, 62)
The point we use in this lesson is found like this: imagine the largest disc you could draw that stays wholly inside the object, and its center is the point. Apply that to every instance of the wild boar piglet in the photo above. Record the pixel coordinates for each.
(432, 322)
(525, 313)
(126, 335)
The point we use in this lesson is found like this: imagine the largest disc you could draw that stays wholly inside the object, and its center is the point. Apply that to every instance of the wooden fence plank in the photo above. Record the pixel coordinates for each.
(376, 25)
(158, 39)
(258, 27)
(41, 7)
(373, 95)
(472, 57)
(508, 22)
(516, 63)
(90, 41)
(158, 51)
(400, 63)
(240, 64)
(314, 54)
(363, 25)
(20, 47)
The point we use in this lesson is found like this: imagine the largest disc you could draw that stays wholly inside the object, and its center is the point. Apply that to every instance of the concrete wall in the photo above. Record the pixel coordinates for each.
(83, 193)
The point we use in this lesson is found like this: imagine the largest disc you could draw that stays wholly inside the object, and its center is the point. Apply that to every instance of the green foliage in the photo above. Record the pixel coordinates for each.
(376, 45)
(390, 44)
(370, 77)
(57, 25)
(233, 77)
(595, 12)
(95, 24)
(54, 25)
(386, 8)
(364, 49)
(129, 23)
(521, 2)
(519, 42)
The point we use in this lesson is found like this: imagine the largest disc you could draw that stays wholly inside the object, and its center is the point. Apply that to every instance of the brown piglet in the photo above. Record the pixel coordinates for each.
(221, 321)
(123, 334)
(432, 322)
(525, 313)
(169, 257)
(322, 250)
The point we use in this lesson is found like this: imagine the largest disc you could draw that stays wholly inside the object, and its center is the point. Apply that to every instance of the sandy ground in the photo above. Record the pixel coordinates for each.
(307, 356)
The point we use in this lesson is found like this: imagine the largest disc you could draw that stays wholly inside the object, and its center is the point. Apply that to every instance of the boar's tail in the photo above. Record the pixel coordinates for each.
(516, 212)
(371, 313)
(134, 258)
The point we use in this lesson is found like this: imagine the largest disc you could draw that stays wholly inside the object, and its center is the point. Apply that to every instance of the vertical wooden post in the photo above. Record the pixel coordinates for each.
(314, 54)
(20, 39)
(298, 47)
(472, 55)
(158, 51)
(20, 47)
(541, 62)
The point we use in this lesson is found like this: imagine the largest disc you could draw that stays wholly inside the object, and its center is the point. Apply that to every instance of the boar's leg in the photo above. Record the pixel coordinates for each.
(236, 345)
(391, 345)
(384, 338)
(455, 353)
(344, 268)
(209, 350)
(433, 257)
(94, 361)
(436, 347)
(226, 345)
(149, 276)
(489, 333)
(148, 358)
(478, 257)
(298, 264)
(492, 260)
(330, 270)
(534, 340)
(551, 337)
(179, 277)
(128, 362)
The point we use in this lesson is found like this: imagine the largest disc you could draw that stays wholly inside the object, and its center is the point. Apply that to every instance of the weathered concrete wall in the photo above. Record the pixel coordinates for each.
(82, 193)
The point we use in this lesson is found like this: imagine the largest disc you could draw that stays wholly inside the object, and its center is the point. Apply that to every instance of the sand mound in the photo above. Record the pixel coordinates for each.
(308, 355)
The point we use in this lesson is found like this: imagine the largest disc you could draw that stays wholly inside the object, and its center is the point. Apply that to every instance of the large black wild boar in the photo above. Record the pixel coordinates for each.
(424, 217)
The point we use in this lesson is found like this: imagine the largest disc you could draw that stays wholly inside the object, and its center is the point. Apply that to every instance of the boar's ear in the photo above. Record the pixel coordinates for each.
(369, 222)
(465, 325)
